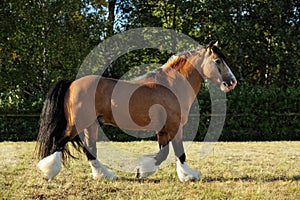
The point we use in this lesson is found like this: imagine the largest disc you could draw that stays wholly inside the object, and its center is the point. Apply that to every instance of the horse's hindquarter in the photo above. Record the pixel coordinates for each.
(80, 102)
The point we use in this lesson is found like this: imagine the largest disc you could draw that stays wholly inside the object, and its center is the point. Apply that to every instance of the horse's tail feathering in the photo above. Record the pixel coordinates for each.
(53, 121)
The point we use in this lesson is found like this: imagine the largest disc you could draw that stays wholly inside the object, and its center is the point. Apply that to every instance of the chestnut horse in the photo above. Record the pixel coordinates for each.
(159, 100)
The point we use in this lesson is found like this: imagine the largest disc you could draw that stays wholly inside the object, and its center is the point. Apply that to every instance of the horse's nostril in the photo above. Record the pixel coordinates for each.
(232, 82)
(225, 84)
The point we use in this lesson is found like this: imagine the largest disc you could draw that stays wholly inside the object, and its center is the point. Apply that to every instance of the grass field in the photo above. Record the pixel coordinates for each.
(256, 170)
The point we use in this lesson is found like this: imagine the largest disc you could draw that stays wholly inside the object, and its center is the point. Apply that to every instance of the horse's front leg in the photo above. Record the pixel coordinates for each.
(184, 172)
(147, 165)
(90, 149)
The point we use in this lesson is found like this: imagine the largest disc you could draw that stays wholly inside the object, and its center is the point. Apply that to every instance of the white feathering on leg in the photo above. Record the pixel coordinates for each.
(185, 173)
(146, 167)
(50, 165)
(100, 171)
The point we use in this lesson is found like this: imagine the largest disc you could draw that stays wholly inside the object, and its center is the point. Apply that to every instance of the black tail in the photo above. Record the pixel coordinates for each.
(53, 123)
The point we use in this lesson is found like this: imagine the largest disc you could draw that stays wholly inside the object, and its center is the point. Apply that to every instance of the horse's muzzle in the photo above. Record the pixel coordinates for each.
(229, 84)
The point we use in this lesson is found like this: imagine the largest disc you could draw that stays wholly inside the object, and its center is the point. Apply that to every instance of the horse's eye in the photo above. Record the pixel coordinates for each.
(218, 61)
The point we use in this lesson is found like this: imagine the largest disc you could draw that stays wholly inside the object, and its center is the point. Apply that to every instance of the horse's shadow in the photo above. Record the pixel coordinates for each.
(209, 179)
(138, 180)
(249, 179)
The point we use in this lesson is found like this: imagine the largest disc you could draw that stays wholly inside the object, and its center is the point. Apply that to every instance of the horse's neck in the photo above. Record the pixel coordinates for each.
(189, 72)
(194, 76)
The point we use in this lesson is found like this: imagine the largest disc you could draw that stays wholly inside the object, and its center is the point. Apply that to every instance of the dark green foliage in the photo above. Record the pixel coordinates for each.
(23, 124)
(253, 114)
(262, 114)
(42, 42)
(18, 128)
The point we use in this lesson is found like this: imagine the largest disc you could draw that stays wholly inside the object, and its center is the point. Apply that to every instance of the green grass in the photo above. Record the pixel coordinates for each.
(256, 170)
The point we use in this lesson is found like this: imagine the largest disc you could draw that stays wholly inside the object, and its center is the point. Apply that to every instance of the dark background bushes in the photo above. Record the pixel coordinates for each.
(42, 42)
(253, 114)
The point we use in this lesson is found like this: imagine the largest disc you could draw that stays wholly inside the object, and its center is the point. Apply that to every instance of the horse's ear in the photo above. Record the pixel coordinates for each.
(216, 43)
(211, 45)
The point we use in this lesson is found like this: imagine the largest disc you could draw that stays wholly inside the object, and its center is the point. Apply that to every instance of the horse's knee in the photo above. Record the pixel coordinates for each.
(162, 138)
(162, 155)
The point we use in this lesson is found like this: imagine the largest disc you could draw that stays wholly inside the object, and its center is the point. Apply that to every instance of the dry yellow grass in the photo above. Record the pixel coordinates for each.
(256, 170)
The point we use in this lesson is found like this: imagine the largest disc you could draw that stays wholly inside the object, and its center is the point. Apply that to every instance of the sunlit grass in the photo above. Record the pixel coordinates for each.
(257, 170)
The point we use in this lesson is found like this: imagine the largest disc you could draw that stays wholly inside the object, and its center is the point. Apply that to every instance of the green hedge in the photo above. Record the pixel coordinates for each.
(18, 128)
(253, 114)
(263, 114)
(19, 116)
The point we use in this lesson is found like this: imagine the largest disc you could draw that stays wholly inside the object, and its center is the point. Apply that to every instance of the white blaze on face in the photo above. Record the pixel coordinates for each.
(230, 73)
(226, 87)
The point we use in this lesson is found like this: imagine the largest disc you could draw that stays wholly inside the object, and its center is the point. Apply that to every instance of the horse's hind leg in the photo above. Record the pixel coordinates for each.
(149, 164)
(51, 164)
(184, 172)
(90, 149)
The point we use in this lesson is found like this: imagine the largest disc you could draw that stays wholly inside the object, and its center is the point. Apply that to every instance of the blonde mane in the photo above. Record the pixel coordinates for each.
(178, 60)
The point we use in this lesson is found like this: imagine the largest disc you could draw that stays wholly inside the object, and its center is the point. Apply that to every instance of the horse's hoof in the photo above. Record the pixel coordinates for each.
(185, 173)
(50, 165)
(146, 167)
(100, 171)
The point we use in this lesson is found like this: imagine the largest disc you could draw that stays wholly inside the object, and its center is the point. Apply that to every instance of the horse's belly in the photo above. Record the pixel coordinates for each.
(153, 119)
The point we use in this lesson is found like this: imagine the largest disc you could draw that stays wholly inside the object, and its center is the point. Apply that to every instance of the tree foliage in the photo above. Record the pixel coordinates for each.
(43, 41)
(47, 40)
(261, 38)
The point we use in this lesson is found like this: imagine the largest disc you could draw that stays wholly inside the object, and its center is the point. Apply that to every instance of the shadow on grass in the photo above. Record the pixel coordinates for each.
(249, 179)
(296, 178)
(137, 180)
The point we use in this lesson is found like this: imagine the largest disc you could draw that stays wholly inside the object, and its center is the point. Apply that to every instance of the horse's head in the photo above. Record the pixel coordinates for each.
(216, 69)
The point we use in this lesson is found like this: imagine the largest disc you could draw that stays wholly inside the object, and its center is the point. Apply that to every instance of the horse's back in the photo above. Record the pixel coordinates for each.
(120, 103)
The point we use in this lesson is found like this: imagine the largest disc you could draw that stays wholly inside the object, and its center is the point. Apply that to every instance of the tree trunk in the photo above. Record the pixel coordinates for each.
(111, 18)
